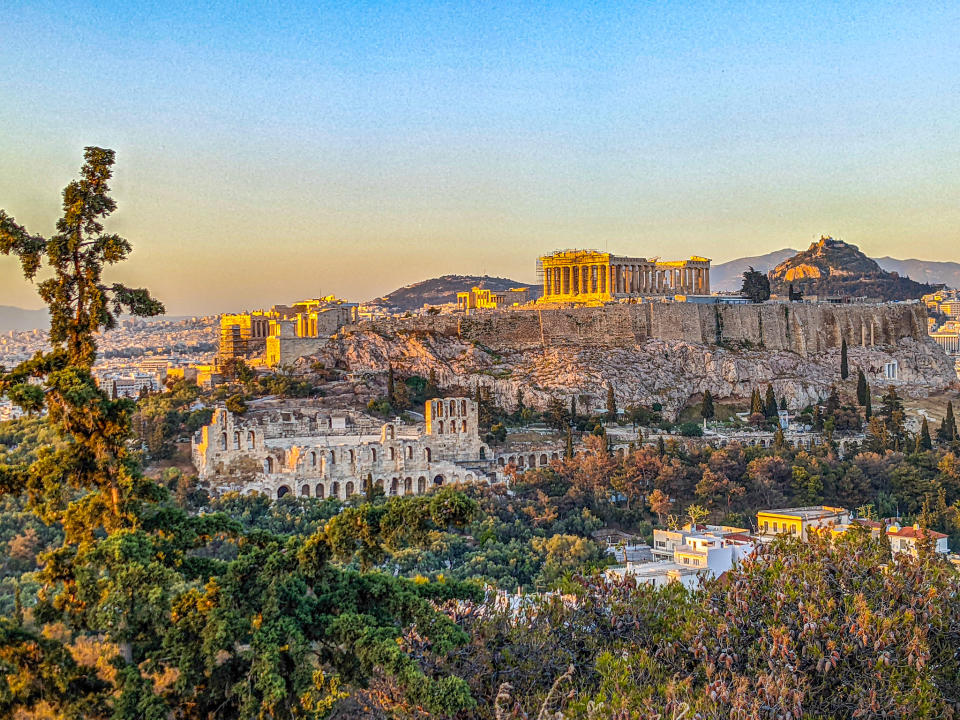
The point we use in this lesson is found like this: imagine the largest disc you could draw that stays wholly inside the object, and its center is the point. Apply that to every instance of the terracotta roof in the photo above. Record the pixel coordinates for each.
(739, 537)
(869, 523)
(911, 532)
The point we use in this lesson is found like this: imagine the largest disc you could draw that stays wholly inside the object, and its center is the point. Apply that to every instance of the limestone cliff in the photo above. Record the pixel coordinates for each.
(657, 352)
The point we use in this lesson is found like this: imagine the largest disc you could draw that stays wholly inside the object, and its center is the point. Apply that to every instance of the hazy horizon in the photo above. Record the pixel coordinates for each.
(350, 149)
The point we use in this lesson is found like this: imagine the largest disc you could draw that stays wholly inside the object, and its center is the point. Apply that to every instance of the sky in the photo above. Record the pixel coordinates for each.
(272, 151)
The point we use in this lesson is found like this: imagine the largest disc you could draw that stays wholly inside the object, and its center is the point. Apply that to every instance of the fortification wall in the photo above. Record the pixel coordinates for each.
(798, 327)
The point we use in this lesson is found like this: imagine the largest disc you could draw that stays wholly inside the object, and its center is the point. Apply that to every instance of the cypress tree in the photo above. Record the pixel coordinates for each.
(573, 409)
(661, 446)
(611, 403)
(948, 426)
(844, 367)
(706, 407)
(868, 407)
(756, 402)
(391, 389)
(923, 439)
(770, 403)
(783, 402)
(862, 388)
(568, 452)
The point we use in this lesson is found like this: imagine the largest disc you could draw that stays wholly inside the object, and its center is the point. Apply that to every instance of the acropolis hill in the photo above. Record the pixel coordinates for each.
(653, 351)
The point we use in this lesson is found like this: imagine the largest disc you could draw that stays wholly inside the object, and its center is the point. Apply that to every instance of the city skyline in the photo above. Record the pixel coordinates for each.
(351, 150)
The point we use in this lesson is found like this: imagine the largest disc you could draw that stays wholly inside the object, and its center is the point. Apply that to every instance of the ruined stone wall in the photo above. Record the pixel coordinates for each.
(797, 327)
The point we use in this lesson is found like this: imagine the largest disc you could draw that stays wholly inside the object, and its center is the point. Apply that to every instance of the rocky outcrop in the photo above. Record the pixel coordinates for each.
(833, 267)
(667, 353)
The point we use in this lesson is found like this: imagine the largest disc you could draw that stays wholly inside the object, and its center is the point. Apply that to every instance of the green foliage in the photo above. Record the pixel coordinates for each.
(844, 366)
(756, 286)
(707, 411)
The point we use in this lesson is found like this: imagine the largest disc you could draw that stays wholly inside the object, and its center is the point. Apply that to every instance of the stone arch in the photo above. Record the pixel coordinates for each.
(427, 454)
(463, 407)
(305, 491)
(409, 452)
(353, 456)
(511, 460)
(440, 409)
(268, 465)
(236, 439)
(380, 483)
(282, 490)
(251, 440)
(313, 458)
(223, 441)
(373, 454)
(318, 491)
(393, 486)
(440, 427)
(349, 489)
(438, 480)
(468, 477)
(392, 453)
(501, 462)
(483, 453)
(333, 457)
(532, 461)
(391, 432)
(335, 489)
(543, 459)
(407, 486)
(554, 456)
(463, 426)
(521, 461)
(453, 407)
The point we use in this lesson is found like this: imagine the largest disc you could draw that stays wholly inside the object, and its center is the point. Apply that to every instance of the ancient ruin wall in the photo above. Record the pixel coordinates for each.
(798, 327)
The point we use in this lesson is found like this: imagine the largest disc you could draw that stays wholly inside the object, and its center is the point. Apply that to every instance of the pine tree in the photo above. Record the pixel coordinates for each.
(862, 388)
(611, 403)
(706, 407)
(844, 367)
(770, 403)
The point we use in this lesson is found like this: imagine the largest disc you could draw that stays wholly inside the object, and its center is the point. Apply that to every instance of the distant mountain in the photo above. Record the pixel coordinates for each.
(437, 291)
(14, 318)
(729, 275)
(928, 271)
(833, 267)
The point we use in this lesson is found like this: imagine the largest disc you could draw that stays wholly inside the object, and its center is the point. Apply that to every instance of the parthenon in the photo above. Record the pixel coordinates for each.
(590, 275)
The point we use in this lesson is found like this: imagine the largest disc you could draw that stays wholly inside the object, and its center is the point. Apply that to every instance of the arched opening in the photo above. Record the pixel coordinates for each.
(407, 486)
(409, 452)
(335, 490)
(380, 483)
(313, 459)
(440, 409)
(453, 407)
(463, 426)
(318, 491)
(463, 407)
(440, 427)
(268, 465)
(468, 478)
(305, 491)
(349, 489)
(438, 480)
(501, 462)
(532, 461)
(421, 485)
(282, 490)
(520, 461)
(554, 456)
(427, 454)
(353, 457)
(393, 486)
(483, 453)
(373, 454)
(391, 433)
(333, 458)
(223, 441)
(392, 453)
(236, 439)
(543, 459)
(251, 440)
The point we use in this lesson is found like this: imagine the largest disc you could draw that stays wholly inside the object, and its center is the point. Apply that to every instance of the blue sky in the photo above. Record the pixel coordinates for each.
(271, 151)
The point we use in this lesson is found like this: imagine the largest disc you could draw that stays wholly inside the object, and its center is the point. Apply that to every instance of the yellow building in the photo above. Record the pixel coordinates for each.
(796, 521)
(483, 299)
(594, 276)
